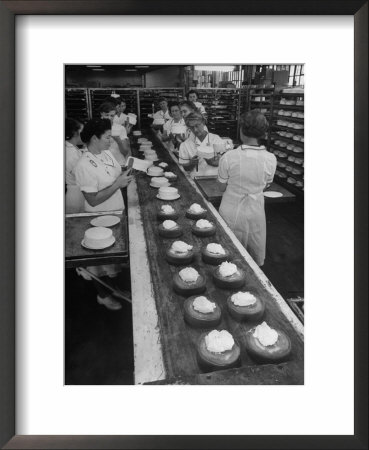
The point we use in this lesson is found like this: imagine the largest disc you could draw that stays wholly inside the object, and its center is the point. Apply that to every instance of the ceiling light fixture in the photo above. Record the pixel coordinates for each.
(93, 66)
(215, 68)
(99, 70)
(131, 70)
(142, 67)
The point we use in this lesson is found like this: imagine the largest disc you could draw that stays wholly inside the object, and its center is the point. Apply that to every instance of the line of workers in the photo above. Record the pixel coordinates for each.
(96, 152)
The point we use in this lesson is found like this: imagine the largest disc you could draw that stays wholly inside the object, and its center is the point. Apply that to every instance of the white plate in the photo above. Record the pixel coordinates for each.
(105, 221)
(169, 199)
(108, 244)
(273, 194)
(157, 187)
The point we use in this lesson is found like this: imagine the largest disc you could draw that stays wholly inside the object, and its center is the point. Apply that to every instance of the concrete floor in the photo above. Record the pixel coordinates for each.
(284, 263)
(98, 342)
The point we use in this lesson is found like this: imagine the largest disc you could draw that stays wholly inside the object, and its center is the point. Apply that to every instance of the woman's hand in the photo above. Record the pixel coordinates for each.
(123, 180)
(117, 139)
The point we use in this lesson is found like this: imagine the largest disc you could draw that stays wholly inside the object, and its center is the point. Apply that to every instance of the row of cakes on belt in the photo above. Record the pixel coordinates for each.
(149, 153)
(160, 178)
(217, 349)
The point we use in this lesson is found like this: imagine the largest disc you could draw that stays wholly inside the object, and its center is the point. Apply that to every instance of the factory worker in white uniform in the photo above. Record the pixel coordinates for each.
(200, 144)
(187, 108)
(161, 116)
(100, 178)
(119, 144)
(193, 97)
(120, 117)
(243, 175)
(74, 199)
(174, 127)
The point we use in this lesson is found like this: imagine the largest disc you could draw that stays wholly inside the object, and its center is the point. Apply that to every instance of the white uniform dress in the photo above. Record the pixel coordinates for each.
(175, 127)
(160, 117)
(247, 170)
(192, 147)
(118, 130)
(94, 173)
(200, 107)
(121, 119)
(74, 199)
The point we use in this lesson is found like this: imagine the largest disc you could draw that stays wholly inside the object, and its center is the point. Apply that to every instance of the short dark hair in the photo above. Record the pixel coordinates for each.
(162, 99)
(107, 107)
(71, 127)
(95, 127)
(171, 104)
(192, 92)
(195, 116)
(254, 124)
(191, 105)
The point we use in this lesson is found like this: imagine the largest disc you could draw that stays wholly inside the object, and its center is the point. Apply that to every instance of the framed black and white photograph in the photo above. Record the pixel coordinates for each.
(192, 259)
(184, 191)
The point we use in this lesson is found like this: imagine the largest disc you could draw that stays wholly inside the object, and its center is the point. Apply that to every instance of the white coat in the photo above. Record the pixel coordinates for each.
(95, 173)
(247, 170)
(192, 147)
(200, 107)
(160, 117)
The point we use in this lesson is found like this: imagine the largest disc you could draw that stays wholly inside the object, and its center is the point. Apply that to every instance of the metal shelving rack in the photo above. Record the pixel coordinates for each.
(258, 97)
(98, 95)
(77, 103)
(150, 96)
(287, 139)
(222, 110)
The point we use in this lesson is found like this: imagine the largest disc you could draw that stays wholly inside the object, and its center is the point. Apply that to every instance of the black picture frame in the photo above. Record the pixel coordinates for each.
(8, 10)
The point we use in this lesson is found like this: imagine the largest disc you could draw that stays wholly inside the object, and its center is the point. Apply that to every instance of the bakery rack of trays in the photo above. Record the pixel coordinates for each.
(258, 97)
(77, 104)
(287, 138)
(261, 97)
(99, 95)
(150, 96)
(222, 110)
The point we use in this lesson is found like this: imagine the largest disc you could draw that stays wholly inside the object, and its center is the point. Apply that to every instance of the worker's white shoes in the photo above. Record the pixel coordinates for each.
(109, 302)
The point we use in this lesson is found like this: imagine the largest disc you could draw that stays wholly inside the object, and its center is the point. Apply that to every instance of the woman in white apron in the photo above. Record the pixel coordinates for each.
(174, 127)
(120, 117)
(193, 97)
(187, 108)
(119, 144)
(200, 144)
(243, 174)
(74, 199)
(161, 116)
(100, 178)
